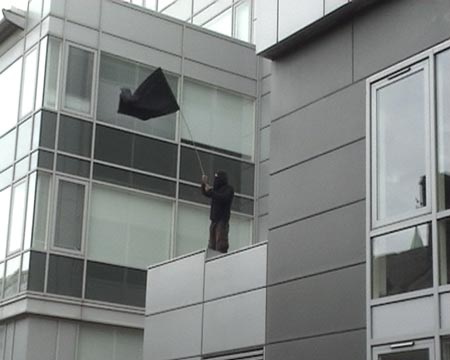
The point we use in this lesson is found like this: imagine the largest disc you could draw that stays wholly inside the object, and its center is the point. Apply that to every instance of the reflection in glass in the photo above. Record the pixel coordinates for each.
(65, 276)
(422, 354)
(69, 215)
(116, 73)
(5, 197)
(218, 120)
(16, 226)
(209, 12)
(44, 182)
(24, 273)
(29, 83)
(443, 125)
(79, 80)
(242, 20)
(21, 168)
(41, 72)
(24, 139)
(128, 228)
(10, 95)
(115, 284)
(51, 73)
(7, 143)
(221, 24)
(192, 229)
(402, 261)
(401, 160)
(12, 277)
(182, 9)
(6, 177)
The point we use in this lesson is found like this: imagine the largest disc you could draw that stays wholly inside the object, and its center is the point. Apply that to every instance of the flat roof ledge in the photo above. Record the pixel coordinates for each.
(13, 20)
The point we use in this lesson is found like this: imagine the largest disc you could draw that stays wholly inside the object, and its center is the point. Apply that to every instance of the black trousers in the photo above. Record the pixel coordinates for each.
(218, 236)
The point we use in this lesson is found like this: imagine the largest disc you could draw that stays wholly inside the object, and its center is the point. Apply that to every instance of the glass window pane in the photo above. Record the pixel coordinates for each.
(331, 5)
(21, 168)
(34, 13)
(12, 277)
(69, 165)
(221, 24)
(69, 215)
(44, 131)
(211, 11)
(24, 272)
(6, 177)
(134, 180)
(5, 197)
(2, 277)
(7, 147)
(128, 229)
(75, 136)
(242, 21)
(192, 229)
(10, 95)
(443, 113)
(29, 83)
(182, 9)
(96, 342)
(240, 174)
(116, 74)
(218, 120)
(30, 211)
(45, 160)
(115, 284)
(402, 261)
(65, 276)
(24, 139)
(41, 72)
(131, 150)
(201, 4)
(79, 80)
(51, 73)
(240, 234)
(422, 354)
(36, 275)
(43, 187)
(16, 226)
(401, 160)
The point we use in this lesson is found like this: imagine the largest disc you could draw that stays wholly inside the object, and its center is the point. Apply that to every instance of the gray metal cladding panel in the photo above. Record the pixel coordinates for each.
(266, 67)
(234, 322)
(242, 271)
(86, 12)
(145, 29)
(346, 346)
(175, 284)
(263, 206)
(396, 30)
(325, 125)
(314, 71)
(265, 110)
(173, 334)
(324, 242)
(42, 336)
(318, 185)
(326, 303)
(218, 52)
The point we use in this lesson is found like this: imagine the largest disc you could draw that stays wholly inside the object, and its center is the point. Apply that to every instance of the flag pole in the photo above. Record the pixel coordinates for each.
(193, 143)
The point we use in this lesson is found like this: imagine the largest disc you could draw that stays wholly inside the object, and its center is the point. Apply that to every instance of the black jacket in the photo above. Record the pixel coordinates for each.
(221, 198)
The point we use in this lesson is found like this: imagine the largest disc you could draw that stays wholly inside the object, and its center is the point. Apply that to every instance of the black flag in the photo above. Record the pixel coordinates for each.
(151, 99)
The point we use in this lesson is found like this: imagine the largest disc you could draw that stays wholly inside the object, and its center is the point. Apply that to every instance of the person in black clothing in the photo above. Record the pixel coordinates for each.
(221, 195)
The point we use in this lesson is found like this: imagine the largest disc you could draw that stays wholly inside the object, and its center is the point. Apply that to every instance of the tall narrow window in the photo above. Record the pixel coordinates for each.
(79, 80)
(29, 83)
(17, 222)
(242, 20)
(69, 215)
(10, 95)
(400, 121)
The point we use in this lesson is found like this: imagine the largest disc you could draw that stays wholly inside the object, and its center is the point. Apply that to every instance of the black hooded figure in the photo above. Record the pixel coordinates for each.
(221, 195)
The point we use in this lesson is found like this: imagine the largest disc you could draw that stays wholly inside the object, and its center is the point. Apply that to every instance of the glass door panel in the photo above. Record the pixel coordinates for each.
(420, 350)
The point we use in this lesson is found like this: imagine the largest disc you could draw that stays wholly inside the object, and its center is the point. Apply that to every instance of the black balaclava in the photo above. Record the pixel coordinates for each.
(220, 179)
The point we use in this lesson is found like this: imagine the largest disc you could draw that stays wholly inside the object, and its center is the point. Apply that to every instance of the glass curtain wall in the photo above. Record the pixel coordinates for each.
(89, 201)
(406, 206)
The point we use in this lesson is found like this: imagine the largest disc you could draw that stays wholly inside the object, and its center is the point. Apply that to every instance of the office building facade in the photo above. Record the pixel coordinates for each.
(90, 198)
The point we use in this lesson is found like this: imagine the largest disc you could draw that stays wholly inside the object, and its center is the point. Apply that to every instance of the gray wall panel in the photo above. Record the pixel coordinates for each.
(82, 35)
(297, 14)
(320, 127)
(315, 71)
(173, 334)
(318, 185)
(243, 271)
(265, 110)
(220, 53)
(234, 322)
(9, 341)
(175, 284)
(351, 345)
(266, 66)
(266, 23)
(86, 12)
(410, 25)
(67, 340)
(57, 7)
(317, 244)
(149, 30)
(266, 84)
(264, 178)
(321, 304)
(42, 338)
(21, 337)
(263, 206)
